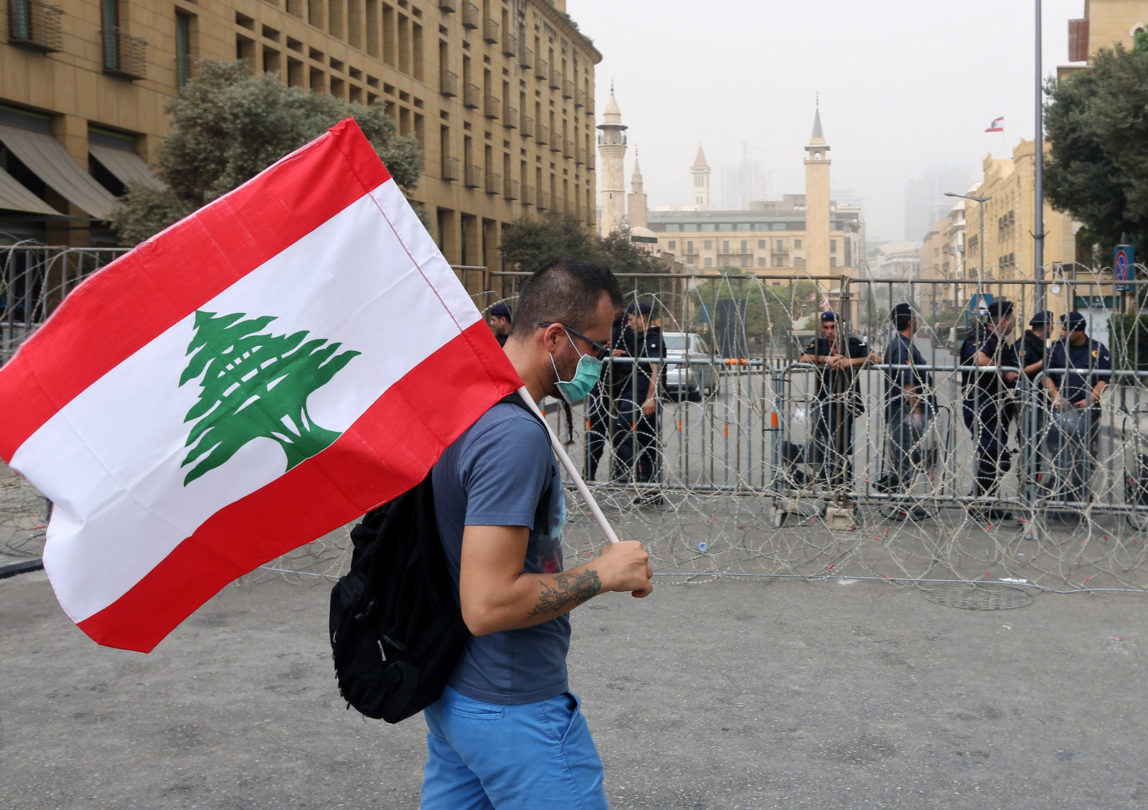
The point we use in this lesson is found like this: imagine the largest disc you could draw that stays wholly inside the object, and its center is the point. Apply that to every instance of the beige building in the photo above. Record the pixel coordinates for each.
(499, 93)
(1008, 225)
(1104, 24)
(802, 235)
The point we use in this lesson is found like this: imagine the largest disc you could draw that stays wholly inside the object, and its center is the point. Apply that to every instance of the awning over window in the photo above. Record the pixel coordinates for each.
(14, 196)
(128, 168)
(48, 160)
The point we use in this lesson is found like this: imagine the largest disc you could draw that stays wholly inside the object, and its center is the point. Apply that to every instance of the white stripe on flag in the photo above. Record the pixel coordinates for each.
(351, 280)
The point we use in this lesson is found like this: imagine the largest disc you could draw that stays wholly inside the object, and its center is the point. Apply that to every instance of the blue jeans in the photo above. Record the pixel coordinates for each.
(485, 755)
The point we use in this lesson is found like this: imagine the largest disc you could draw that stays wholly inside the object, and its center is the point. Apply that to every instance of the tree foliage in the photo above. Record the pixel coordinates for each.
(769, 310)
(227, 125)
(531, 242)
(1097, 125)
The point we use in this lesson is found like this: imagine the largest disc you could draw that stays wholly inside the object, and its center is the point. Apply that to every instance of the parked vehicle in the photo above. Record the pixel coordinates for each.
(690, 371)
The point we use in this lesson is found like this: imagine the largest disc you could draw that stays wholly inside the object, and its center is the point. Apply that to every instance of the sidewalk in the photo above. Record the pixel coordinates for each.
(715, 694)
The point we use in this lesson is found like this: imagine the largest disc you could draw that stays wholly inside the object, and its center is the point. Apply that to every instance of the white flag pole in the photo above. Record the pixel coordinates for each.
(560, 451)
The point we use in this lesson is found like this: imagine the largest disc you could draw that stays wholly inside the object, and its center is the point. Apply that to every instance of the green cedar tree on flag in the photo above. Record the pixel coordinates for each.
(260, 373)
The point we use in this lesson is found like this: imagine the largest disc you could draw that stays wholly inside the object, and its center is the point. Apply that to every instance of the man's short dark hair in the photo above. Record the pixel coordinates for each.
(902, 316)
(565, 291)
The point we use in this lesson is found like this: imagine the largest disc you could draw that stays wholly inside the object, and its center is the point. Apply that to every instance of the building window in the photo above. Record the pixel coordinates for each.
(672, 244)
(182, 49)
(832, 245)
(761, 244)
(725, 246)
(832, 261)
(699, 181)
(797, 244)
(708, 245)
(709, 262)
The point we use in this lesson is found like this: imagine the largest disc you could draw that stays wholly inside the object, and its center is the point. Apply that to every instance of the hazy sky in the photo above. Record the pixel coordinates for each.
(904, 85)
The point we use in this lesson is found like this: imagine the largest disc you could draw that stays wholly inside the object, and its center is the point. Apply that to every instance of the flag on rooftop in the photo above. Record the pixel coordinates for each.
(996, 126)
(259, 374)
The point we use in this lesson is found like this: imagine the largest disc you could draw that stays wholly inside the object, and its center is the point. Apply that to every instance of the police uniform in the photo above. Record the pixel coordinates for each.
(600, 404)
(1074, 431)
(905, 422)
(838, 403)
(635, 435)
(986, 407)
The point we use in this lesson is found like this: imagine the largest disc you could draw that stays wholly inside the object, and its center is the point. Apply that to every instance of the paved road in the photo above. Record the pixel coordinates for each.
(719, 694)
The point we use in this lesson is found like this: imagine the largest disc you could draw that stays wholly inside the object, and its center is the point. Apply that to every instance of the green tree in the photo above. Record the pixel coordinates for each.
(1098, 131)
(254, 385)
(227, 125)
(531, 242)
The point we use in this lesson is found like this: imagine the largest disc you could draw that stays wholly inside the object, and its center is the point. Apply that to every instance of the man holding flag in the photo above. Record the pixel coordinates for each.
(498, 502)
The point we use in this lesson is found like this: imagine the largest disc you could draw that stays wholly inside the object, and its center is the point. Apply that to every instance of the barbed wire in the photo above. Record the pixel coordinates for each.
(756, 475)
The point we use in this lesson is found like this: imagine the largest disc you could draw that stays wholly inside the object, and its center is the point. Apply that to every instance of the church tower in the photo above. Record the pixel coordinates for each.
(817, 201)
(700, 172)
(636, 203)
(612, 149)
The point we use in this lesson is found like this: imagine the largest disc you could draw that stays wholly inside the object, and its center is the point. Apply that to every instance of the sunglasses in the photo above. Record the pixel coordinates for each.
(602, 351)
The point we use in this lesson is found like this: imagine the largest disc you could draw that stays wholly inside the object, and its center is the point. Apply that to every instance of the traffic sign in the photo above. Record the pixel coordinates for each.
(979, 303)
(1124, 267)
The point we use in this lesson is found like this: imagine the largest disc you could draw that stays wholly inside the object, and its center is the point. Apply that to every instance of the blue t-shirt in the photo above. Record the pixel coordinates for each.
(502, 472)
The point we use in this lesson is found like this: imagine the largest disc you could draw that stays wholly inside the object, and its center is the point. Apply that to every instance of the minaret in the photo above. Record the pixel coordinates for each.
(636, 202)
(817, 201)
(701, 178)
(612, 149)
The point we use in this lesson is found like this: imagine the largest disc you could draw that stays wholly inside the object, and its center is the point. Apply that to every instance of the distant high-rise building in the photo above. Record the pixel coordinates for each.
(925, 201)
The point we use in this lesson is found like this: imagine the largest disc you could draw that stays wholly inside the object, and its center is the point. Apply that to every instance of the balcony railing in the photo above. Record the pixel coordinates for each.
(579, 98)
(448, 5)
(450, 168)
(579, 155)
(555, 78)
(124, 54)
(509, 115)
(448, 83)
(470, 14)
(493, 183)
(493, 104)
(473, 176)
(526, 58)
(567, 89)
(470, 95)
(510, 190)
(542, 133)
(36, 25)
(528, 195)
(543, 200)
(541, 68)
(509, 44)
(527, 127)
(490, 30)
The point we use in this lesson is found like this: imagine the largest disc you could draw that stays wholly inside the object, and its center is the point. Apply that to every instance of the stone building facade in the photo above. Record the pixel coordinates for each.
(499, 94)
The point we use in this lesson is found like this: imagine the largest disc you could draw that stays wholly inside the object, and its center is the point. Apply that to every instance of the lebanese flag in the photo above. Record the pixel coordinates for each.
(257, 375)
(997, 125)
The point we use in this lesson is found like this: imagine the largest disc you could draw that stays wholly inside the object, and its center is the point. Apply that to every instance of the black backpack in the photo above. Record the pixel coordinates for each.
(396, 628)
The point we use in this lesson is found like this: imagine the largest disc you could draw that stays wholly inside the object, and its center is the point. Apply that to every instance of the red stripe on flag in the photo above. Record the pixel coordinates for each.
(388, 450)
(142, 294)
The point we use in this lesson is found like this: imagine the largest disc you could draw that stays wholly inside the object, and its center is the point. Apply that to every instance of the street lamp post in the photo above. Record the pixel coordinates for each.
(981, 238)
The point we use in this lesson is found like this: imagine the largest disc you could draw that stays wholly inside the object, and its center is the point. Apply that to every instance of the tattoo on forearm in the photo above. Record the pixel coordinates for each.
(570, 590)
